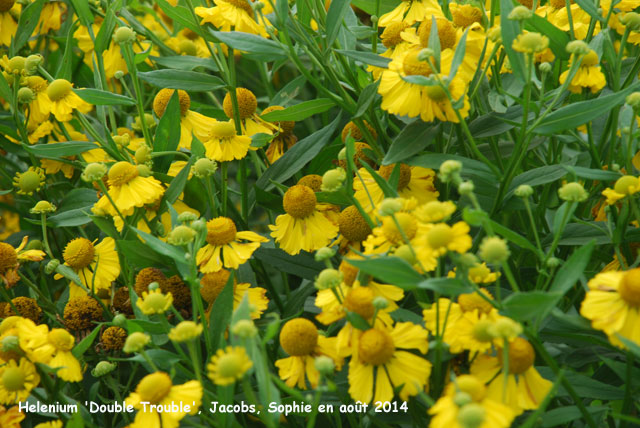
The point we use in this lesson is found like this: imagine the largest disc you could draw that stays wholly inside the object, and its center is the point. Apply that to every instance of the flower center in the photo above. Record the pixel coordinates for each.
(472, 301)
(627, 185)
(391, 35)
(229, 365)
(286, 126)
(629, 288)
(164, 96)
(472, 386)
(221, 231)
(412, 66)
(299, 337)
(187, 47)
(156, 301)
(13, 379)
(590, 59)
(299, 201)
(349, 272)
(558, 4)
(440, 236)
(8, 257)
(6, 5)
(313, 181)
(58, 89)
(482, 331)
(29, 181)
(121, 173)
(352, 225)
(532, 42)
(360, 301)
(465, 15)
(213, 283)
(241, 4)
(222, 130)
(79, 253)
(405, 174)
(446, 33)
(407, 223)
(521, 356)
(376, 347)
(36, 83)
(61, 339)
(247, 103)
(435, 92)
(154, 387)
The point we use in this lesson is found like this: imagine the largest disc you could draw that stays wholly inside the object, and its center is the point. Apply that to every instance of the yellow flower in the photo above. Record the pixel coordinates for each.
(212, 284)
(589, 74)
(154, 302)
(236, 15)
(40, 107)
(228, 365)
(29, 181)
(52, 424)
(435, 211)
(224, 247)
(155, 396)
(223, 144)
(96, 265)
(377, 351)
(185, 331)
(64, 101)
(480, 274)
(299, 338)
(466, 403)
(524, 389)
(410, 12)
(10, 418)
(440, 238)
(530, 43)
(51, 16)
(128, 190)
(250, 122)
(625, 186)
(8, 24)
(612, 304)
(17, 380)
(52, 348)
(303, 227)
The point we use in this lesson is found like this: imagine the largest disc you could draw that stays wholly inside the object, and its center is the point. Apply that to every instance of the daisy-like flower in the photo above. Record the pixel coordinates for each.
(530, 43)
(51, 16)
(225, 247)
(10, 259)
(479, 274)
(52, 348)
(410, 12)
(303, 227)
(185, 331)
(589, 74)
(154, 302)
(250, 122)
(236, 15)
(64, 101)
(391, 38)
(11, 417)
(378, 353)
(228, 365)
(186, 42)
(157, 389)
(51, 424)
(223, 144)
(576, 18)
(8, 24)
(96, 265)
(29, 181)
(464, 15)
(17, 379)
(285, 138)
(40, 107)
(128, 190)
(437, 239)
(625, 186)
(212, 284)
(524, 389)
(612, 304)
(465, 403)
(300, 339)
(392, 233)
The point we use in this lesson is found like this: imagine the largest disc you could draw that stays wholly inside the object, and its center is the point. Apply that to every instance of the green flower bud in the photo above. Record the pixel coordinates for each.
(148, 118)
(43, 207)
(94, 172)
(342, 154)
(494, 250)
(25, 95)
(324, 365)
(51, 266)
(471, 415)
(245, 329)
(153, 286)
(16, 64)
(545, 67)
(10, 343)
(553, 262)
(462, 398)
(578, 47)
(523, 191)
(573, 192)
(450, 171)
(466, 188)
(187, 217)
(142, 154)
(328, 278)
(199, 225)
(204, 167)
(324, 253)
(144, 170)
(103, 368)
(136, 342)
(405, 253)
(633, 100)
(119, 74)
(34, 244)
(520, 13)
(390, 206)
(332, 180)
(124, 35)
(631, 20)
(32, 62)
(425, 54)
(380, 302)
(119, 320)
(181, 235)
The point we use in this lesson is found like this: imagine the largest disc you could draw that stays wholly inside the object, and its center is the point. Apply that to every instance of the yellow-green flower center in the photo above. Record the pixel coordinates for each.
(629, 287)
(156, 301)
(412, 66)
(590, 59)
(187, 47)
(472, 386)
(435, 92)
(221, 231)
(482, 331)
(229, 365)
(154, 387)
(241, 4)
(521, 356)
(299, 337)
(376, 347)
(627, 185)
(222, 130)
(407, 223)
(121, 173)
(8, 257)
(79, 253)
(13, 379)
(61, 339)
(440, 235)
(360, 301)
(58, 89)
(299, 201)
(29, 181)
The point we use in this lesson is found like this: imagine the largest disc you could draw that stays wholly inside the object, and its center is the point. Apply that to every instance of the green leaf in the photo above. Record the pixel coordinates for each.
(221, 312)
(458, 56)
(513, 237)
(450, 287)
(103, 38)
(558, 39)
(366, 99)
(258, 47)
(64, 69)
(290, 91)
(592, 174)
(434, 42)
(167, 250)
(572, 269)
(563, 415)
(370, 6)
(180, 14)
(177, 184)
(297, 156)
(535, 177)
(168, 133)
(104, 98)
(367, 58)
(79, 350)
(165, 360)
(302, 265)
(589, 7)
(300, 111)
(180, 79)
(387, 189)
(70, 218)
(83, 11)
(184, 62)
(58, 150)
(357, 321)
(576, 114)
(145, 326)
(335, 15)
(29, 18)
(510, 30)
(390, 270)
(5, 91)
(412, 139)
(527, 306)
(137, 254)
